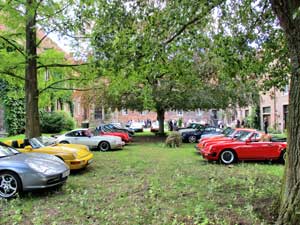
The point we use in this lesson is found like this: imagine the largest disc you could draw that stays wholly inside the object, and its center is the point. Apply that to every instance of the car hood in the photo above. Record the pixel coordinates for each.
(53, 163)
(186, 130)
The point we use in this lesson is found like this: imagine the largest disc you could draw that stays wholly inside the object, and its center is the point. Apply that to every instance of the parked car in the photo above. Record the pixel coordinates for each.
(192, 136)
(23, 172)
(231, 136)
(120, 127)
(191, 127)
(85, 137)
(137, 126)
(75, 156)
(227, 131)
(154, 127)
(104, 130)
(249, 146)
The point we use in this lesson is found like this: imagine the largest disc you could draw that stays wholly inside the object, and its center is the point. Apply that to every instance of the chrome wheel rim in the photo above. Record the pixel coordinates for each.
(104, 146)
(227, 157)
(192, 139)
(8, 186)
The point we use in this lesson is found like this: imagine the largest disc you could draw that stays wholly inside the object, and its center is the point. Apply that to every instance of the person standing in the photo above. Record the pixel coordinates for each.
(238, 124)
(266, 124)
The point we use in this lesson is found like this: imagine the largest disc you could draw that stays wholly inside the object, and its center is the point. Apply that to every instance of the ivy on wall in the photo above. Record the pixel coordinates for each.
(14, 110)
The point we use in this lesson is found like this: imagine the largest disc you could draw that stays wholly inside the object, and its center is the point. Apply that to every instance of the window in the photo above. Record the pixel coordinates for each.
(286, 90)
(98, 113)
(267, 110)
(199, 112)
(124, 111)
(246, 112)
(285, 116)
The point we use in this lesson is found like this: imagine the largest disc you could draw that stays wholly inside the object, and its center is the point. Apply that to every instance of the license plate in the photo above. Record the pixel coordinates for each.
(90, 161)
(65, 174)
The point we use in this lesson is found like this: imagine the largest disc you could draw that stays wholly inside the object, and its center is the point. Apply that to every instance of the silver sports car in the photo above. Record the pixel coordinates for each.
(84, 136)
(24, 172)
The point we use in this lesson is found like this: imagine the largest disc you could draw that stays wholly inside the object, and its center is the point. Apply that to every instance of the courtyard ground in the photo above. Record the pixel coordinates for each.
(147, 183)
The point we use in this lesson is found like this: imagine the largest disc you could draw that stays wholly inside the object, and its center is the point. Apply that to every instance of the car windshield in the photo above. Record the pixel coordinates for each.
(245, 136)
(46, 140)
(7, 151)
(193, 125)
(228, 132)
(35, 143)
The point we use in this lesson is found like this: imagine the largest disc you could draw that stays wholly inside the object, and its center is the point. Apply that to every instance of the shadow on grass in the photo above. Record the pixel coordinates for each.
(41, 193)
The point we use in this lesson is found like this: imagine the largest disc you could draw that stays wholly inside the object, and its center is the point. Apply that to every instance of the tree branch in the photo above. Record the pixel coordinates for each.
(57, 82)
(193, 21)
(8, 73)
(75, 89)
(181, 30)
(47, 17)
(44, 37)
(12, 44)
(62, 65)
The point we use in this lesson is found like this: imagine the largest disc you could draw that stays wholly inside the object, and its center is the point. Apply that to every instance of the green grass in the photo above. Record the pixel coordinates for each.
(150, 184)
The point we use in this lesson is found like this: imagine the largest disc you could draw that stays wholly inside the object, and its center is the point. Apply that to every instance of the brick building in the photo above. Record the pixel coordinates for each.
(274, 107)
(87, 112)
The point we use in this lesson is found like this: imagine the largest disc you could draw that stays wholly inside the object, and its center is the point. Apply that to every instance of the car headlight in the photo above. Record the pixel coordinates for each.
(211, 148)
(41, 168)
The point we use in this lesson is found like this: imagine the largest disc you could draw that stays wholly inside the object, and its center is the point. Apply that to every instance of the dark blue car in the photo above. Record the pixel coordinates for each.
(195, 135)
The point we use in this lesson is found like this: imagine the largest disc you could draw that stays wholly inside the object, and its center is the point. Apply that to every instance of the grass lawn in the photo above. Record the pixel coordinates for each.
(146, 183)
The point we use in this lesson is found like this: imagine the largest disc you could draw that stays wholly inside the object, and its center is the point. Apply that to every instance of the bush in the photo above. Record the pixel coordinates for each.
(174, 140)
(55, 122)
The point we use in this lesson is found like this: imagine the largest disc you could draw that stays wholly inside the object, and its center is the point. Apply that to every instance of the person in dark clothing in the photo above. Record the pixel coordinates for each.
(266, 124)
(238, 124)
(170, 123)
(243, 123)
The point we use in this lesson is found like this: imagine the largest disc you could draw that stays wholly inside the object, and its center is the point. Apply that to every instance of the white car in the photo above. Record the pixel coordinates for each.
(85, 137)
(137, 126)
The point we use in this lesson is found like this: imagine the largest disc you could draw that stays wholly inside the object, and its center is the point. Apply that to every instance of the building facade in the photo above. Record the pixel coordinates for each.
(274, 108)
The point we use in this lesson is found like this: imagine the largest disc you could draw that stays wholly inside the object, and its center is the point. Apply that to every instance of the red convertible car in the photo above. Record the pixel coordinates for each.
(249, 146)
(231, 136)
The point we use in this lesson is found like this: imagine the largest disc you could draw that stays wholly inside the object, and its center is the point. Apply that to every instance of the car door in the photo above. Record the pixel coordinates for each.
(264, 150)
(73, 137)
(257, 150)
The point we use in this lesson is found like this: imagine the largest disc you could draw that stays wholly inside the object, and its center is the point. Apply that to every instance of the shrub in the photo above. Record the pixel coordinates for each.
(55, 122)
(174, 140)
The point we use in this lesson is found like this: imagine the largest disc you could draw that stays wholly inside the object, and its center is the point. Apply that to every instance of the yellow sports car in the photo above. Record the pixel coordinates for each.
(74, 155)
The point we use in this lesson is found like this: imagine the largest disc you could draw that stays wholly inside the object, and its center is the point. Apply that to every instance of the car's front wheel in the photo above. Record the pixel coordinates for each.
(192, 139)
(10, 184)
(104, 146)
(227, 157)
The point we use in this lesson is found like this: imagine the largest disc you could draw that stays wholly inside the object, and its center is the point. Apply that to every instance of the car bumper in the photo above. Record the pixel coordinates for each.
(119, 145)
(80, 163)
(40, 181)
(211, 156)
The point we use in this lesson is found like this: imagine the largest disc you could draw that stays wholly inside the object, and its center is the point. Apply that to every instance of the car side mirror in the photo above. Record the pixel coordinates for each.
(28, 148)
(248, 141)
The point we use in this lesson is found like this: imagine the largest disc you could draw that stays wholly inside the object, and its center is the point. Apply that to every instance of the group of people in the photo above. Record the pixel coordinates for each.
(172, 125)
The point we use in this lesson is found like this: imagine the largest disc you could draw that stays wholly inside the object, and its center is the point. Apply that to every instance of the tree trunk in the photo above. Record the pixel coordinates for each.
(161, 120)
(289, 18)
(32, 126)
